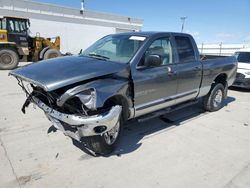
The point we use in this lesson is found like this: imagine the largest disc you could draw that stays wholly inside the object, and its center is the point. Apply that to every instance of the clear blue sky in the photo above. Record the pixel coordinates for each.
(209, 21)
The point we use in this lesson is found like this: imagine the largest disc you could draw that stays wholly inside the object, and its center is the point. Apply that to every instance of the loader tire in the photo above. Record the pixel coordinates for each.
(51, 53)
(9, 59)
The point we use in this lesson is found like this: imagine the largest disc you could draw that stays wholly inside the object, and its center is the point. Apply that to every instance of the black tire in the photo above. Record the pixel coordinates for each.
(9, 59)
(213, 101)
(51, 53)
(99, 145)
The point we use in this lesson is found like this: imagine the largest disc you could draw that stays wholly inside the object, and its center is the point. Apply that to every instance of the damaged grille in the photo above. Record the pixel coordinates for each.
(45, 97)
(73, 106)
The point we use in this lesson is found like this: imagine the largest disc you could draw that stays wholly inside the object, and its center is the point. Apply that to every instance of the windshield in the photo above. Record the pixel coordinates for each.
(118, 48)
(243, 57)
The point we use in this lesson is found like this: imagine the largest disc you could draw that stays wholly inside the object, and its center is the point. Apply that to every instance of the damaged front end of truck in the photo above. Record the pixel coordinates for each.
(79, 105)
(76, 116)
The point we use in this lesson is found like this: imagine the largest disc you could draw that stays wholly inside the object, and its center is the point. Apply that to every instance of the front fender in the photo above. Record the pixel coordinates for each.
(105, 89)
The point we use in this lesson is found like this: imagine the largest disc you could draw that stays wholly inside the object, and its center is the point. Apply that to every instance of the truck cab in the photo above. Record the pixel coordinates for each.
(175, 78)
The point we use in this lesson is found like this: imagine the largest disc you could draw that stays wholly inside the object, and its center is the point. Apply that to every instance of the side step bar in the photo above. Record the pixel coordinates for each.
(166, 110)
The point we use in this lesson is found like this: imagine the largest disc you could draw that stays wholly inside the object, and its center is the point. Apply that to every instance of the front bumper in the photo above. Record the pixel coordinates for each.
(80, 126)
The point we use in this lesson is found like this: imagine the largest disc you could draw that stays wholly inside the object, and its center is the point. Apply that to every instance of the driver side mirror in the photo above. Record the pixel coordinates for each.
(152, 61)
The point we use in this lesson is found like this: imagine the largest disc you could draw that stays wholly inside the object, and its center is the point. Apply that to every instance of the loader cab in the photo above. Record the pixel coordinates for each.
(16, 30)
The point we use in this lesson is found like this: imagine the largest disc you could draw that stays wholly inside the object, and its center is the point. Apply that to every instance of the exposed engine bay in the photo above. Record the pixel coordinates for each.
(75, 115)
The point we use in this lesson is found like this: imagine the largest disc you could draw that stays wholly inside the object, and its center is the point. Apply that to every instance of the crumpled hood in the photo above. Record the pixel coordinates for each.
(59, 72)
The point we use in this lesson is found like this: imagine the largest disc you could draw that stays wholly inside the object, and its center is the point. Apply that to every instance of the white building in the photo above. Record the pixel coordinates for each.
(77, 30)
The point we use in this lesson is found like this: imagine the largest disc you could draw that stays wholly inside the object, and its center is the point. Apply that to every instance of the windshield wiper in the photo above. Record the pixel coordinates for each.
(98, 56)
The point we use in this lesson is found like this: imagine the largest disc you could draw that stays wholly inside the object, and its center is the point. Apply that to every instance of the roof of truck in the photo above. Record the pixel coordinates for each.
(151, 33)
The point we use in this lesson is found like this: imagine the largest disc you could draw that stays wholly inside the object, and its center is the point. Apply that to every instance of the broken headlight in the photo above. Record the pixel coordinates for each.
(88, 98)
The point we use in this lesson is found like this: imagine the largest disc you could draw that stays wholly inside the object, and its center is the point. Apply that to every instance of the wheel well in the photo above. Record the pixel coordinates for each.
(119, 100)
(222, 78)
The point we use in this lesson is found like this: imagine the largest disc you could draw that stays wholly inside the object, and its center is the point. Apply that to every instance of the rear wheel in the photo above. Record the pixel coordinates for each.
(51, 53)
(8, 59)
(214, 99)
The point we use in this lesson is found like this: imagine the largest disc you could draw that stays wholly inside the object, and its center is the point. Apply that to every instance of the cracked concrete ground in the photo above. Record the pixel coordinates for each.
(188, 148)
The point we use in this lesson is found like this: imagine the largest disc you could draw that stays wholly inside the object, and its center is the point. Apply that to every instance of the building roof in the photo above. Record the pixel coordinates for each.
(44, 11)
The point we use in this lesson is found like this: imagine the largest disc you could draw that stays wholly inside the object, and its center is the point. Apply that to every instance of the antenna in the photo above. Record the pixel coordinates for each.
(82, 7)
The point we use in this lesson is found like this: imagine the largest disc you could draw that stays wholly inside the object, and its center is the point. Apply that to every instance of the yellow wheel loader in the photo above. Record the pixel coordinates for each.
(17, 45)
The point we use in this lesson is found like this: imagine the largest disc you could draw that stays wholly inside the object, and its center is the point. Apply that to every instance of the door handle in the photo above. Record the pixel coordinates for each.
(170, 71)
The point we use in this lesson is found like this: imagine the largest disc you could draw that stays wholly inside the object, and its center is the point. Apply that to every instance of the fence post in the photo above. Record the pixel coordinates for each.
(220, 48)
(202, 44)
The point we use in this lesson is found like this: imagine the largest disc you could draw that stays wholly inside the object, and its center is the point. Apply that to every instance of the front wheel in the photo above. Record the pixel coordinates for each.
(214, 99)
(106, 143)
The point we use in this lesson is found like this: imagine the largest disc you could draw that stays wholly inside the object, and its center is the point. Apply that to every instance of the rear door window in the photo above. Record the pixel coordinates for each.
(185, 49)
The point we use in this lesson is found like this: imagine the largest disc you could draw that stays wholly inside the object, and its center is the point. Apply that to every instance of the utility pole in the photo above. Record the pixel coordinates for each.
(183, 19)
(82, 7)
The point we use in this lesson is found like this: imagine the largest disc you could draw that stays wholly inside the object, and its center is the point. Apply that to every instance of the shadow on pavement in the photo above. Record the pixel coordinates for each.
(228, 100)
(134, 132)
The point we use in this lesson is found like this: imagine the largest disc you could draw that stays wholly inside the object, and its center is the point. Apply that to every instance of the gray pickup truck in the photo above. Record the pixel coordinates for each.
(123, 77)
